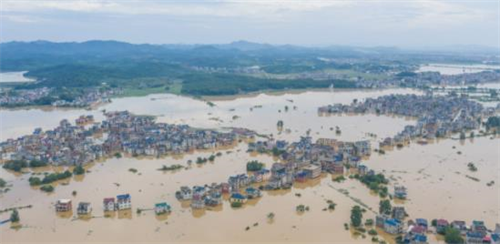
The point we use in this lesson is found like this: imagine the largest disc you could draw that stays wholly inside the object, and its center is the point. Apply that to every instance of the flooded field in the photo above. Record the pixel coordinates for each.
(435, 175)
(7, 77)
(455, 69)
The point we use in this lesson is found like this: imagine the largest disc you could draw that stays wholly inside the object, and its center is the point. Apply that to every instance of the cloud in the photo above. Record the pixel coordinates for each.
(208, 7)
(21, 18)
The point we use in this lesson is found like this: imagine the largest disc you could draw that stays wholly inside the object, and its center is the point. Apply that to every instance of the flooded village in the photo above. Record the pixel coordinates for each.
(305, 175)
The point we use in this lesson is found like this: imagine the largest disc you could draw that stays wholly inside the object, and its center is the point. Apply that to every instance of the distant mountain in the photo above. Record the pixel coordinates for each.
(21, 56)
(246, 46)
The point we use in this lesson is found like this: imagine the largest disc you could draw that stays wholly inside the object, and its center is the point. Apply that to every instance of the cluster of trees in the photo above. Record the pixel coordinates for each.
(356, 216)
(35, 181)
(377, 183)
(18, 165)
(172, 167)
(385, 207)
(255, 165)
(230, 84)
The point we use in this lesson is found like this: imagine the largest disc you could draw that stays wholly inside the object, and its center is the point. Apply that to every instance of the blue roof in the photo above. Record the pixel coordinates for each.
(421, 238)
(250, 189)
(392, 222)
(162, 204)
(495, 237)
(477, 222)
(237, 196)
(124, 196)
(474, 234)
(421, 221)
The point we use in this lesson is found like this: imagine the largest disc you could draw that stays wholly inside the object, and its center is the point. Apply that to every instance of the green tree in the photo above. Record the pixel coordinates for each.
(356, 216)
(385, 207)
(2, 183)
(14, 216)
(35, 181)
(79, 170)
(254, 165)
(452, 235)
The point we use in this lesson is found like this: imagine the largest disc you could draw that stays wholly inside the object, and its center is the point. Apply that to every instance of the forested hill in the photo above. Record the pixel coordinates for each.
(217, 69)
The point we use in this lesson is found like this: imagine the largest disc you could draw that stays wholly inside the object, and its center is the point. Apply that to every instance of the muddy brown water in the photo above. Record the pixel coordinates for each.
(435, 175)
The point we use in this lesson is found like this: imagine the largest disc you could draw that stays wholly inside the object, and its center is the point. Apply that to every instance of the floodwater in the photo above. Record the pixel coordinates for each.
(14, 77)
(455, 69)
(435, 174)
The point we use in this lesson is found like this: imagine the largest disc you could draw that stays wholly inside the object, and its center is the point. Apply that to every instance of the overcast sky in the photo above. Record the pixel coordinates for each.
(410, 23)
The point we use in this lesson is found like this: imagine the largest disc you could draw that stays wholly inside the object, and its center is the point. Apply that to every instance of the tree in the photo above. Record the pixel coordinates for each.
(356, 216)
(79, 170)
(14, 216)
(2, 183)
(254, 165)
(452, 235)
(462, 136)
(385, 207)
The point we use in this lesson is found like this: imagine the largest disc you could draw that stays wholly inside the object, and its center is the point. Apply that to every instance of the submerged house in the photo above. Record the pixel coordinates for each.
(301, 176)
(252, 192)
(237, 198)
(393, 226)
(441, 225)
(213, 199)
(400, 192)
(422, 222)
(184, 194)
(63, 205)
(459, 225)
(312, 171)
(398, 212)
(123, 202)
(84, 208)
(474, 237)
(162, 208)
(109, 204)
(198, 200)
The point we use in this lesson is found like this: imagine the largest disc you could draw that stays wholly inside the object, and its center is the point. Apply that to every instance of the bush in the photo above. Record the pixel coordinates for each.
(369, 222)
(35, 181)
(14, 216)
(211, 158)
(47, 188)
(453, 235)
(254, 165)
(56, 176)
(15, 165)
(37, 163)
(79, 170)
(236, 204)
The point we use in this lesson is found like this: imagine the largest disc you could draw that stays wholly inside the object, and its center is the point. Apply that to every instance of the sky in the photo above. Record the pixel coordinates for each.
(406, 23)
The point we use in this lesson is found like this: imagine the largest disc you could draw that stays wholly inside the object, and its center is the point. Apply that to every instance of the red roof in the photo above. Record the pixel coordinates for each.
(418, 229)
(109, 199)
(442, 222)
